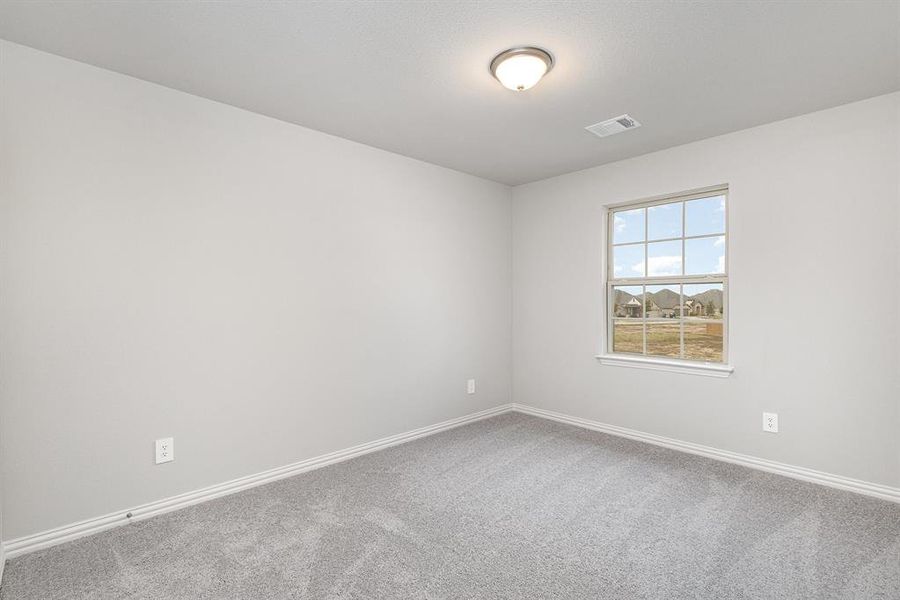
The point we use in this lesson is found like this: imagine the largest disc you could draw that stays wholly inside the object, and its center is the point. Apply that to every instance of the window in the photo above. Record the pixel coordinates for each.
(668, 279)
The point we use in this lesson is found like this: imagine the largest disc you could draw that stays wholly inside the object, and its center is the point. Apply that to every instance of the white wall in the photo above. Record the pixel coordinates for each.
(814, 285)
(262, 292)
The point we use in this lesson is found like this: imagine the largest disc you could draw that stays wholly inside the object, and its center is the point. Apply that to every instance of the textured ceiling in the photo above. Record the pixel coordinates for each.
(412, 77)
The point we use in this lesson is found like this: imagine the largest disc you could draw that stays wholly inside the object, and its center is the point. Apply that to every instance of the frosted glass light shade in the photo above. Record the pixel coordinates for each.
(519, 69)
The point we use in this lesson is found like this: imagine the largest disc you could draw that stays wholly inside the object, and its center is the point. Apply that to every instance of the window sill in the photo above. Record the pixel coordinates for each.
(671, 366)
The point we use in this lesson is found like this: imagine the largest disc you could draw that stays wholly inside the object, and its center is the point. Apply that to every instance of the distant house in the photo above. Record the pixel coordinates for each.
(664, 304)
(712, 302)
(630, 309)
(694, 308)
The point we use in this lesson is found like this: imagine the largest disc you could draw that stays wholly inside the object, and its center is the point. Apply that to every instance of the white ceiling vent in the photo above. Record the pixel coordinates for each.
(613, 126)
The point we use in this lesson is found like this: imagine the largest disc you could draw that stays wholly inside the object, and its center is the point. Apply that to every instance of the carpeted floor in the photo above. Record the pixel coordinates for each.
(511, 507)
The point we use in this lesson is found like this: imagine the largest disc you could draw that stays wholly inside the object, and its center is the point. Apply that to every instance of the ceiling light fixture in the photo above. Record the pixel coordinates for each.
(519, 69)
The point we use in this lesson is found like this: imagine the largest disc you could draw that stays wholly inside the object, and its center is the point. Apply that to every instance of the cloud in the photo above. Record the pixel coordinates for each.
(618, 223)
(720, 241)
(721, 205)
(636, 270)
(660, 265)
(720, 268)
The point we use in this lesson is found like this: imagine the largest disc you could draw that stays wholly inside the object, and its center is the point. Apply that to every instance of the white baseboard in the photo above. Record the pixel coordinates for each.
(836, 481)
(59, 535)
(66, 533)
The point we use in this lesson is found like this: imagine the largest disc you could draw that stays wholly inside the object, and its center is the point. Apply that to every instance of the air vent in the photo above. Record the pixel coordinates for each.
(613, 126)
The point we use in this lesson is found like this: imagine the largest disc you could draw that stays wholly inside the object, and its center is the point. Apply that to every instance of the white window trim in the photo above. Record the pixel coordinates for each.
(606, 356)
(669, 365)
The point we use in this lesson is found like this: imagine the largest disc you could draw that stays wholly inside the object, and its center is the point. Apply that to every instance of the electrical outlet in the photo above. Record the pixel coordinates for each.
(165, 450)
(470, 386)
(770, 422)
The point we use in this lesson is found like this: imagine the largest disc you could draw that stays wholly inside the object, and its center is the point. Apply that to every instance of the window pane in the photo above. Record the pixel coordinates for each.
(627, 302)
(664, 221)
(628, 261)
(704, 331)
(628, 226)
(662, 301)
(704, 216)
(664, 258)
(664, 339)
(628, 336)
(704, 255)
(675, 241)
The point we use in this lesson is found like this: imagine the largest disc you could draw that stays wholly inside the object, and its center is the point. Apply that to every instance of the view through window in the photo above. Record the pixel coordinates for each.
(668, 278)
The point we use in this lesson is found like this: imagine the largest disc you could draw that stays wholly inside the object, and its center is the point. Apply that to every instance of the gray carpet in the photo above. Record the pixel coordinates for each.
(511, 507)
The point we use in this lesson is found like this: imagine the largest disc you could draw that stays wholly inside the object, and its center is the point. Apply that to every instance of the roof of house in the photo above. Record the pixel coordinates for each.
(710, 296)
(665, 298)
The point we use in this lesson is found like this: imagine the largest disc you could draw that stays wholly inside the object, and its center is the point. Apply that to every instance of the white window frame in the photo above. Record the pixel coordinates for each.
(679, 365)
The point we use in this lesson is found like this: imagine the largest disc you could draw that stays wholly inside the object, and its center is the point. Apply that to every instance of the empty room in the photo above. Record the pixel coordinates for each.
(449, 299)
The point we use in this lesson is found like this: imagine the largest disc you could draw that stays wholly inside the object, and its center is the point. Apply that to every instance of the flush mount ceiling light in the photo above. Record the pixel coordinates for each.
(521, 68)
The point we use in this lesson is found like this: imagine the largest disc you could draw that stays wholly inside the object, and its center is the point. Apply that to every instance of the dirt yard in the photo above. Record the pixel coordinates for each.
(703, 338)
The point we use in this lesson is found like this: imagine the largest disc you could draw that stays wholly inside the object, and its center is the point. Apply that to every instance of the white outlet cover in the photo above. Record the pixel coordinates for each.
(470, 386)
(770, 422)
(165, 450)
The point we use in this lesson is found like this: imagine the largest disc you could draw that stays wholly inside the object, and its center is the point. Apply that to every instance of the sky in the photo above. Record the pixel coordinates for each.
(702, 256)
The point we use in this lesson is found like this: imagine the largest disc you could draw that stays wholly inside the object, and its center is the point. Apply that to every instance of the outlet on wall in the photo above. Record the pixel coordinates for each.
(470, 386)
(165, 450)
(770, 422)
